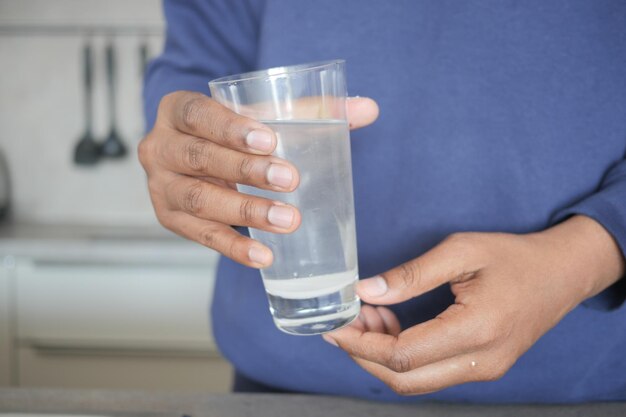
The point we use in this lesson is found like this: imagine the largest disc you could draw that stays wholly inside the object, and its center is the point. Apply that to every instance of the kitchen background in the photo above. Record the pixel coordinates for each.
(93, 292)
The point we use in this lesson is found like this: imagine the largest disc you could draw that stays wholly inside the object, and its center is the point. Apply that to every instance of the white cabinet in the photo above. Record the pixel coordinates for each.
(82, 304)
(115, 325)
(106, 308)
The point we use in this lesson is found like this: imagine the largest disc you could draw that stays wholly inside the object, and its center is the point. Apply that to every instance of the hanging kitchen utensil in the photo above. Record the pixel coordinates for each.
(5, 187)
(144, 57)
(87, 150)
(113, 146)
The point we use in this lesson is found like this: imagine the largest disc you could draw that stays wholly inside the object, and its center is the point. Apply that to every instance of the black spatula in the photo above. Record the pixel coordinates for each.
(87, 150)
(113, 146)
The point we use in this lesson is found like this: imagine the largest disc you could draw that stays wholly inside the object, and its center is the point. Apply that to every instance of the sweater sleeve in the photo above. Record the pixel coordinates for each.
(608, 207)
(204, 39)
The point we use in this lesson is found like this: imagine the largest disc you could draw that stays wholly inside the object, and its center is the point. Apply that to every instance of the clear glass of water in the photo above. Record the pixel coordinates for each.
(310, 285)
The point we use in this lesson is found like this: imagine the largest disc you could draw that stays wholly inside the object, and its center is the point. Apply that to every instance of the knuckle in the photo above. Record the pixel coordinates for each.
(145, 151)
(207, 237)
(410, 273)
(460, 240)
(495, 373)
(245, 169)
(501, 363)
(400, 360)
(467, 245)
(400, 386)
(193, 111)
(229, 124)
(154, 187)
(161, 215)
(235, 248)
(194, 198)
(485, 334)
(165, 220)
(196, 155)
(247, 210)
(166, 101)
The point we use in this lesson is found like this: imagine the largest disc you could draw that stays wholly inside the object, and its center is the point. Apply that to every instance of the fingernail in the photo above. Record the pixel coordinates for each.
(373, 287)
(261, 140)
(330, 340)
(279, 175)
(281, 216)
(259, 255)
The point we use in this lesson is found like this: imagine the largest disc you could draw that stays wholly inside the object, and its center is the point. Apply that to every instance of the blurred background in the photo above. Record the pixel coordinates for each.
(93, 292)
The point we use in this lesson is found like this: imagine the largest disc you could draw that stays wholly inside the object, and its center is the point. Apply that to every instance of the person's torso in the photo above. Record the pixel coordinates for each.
(493, 116)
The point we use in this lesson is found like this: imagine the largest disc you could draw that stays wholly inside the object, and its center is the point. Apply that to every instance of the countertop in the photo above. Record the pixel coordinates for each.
(160, 404)
(107, 244)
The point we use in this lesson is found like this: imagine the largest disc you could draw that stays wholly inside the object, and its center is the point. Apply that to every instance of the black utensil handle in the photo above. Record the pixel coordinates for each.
(110, 67)
(87, 67)
(144, 57)
(88, 86)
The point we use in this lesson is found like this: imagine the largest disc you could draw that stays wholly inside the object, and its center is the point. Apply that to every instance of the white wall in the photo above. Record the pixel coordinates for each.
(41, 111)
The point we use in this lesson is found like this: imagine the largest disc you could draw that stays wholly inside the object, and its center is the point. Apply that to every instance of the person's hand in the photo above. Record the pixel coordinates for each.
(194, 155)
(509, 290)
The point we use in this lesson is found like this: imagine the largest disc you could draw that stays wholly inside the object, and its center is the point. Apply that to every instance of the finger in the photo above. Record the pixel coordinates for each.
(358, 323)
(193, 156)
(392, 325)
(372, 320)
(450, 334)
(378, 320)
(224, 205)
(220, 237)
(453, 259)
(361, 111)
(203, 117)
(436, 376)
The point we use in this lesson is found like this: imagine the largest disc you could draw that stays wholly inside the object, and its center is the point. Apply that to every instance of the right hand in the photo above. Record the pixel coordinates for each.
(196, 153)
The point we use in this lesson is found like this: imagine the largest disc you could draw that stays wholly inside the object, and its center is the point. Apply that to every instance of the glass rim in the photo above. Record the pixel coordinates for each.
(274, 72)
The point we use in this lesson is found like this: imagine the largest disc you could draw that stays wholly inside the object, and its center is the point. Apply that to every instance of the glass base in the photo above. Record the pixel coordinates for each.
(339, 317)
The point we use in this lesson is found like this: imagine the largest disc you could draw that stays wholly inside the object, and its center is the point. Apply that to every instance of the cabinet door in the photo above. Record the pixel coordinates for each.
(120, 370)
(6, 365)
(116, 326)
(83, 305)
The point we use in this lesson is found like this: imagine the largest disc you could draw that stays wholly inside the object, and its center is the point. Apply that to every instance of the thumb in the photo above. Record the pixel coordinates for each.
(361, 111)
(449, 260)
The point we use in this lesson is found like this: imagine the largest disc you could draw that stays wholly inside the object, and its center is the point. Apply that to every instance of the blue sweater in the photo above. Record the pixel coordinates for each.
(496, 115)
